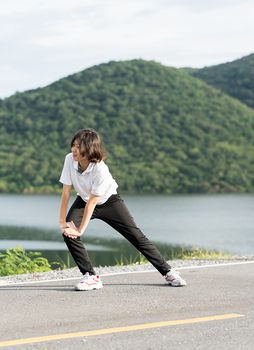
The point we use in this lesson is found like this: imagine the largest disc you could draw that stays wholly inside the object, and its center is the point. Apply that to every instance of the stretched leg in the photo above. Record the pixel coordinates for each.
(115, 213)
(76, 246)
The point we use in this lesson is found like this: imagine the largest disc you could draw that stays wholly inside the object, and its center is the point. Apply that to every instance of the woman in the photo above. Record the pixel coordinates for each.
(97, 197)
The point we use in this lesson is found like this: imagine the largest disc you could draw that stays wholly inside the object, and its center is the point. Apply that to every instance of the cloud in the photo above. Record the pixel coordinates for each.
(42, 41)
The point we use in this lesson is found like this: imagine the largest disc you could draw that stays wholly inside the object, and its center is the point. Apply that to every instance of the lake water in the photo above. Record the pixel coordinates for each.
(215, 221)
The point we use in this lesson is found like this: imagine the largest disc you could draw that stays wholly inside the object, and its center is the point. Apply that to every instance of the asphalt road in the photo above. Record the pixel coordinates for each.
(54, 308)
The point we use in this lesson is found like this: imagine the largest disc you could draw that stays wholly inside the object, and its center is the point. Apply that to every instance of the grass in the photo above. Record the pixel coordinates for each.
(18, 261)
(203, 254)
(138, 259)
(61, 264)
(177, 253)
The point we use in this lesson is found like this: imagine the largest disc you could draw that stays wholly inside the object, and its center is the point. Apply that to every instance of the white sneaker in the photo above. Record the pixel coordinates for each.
(174, 279)
(89, 282)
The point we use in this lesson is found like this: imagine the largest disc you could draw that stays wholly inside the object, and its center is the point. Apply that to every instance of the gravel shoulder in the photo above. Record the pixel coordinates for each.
(74, 273)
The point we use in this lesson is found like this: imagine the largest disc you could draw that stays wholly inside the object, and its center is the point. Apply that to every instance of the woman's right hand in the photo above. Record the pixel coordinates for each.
(71, 231)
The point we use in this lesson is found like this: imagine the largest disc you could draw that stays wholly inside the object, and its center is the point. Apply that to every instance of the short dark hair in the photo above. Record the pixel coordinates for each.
(90, 145)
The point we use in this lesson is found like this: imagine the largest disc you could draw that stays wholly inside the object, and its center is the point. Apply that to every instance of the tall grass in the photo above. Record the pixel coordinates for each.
(175, 253)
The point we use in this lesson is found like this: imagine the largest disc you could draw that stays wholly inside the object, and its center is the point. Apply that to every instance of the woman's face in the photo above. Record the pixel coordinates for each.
(76, 151)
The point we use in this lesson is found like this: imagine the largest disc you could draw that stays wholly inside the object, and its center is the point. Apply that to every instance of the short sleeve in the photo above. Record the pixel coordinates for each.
(66, 172)
(100, 184)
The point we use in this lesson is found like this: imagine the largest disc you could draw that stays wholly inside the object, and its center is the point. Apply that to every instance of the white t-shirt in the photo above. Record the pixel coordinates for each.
(96, 179)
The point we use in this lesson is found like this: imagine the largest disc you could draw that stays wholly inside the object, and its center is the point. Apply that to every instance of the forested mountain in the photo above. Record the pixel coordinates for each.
(235, 78)
(165, 131)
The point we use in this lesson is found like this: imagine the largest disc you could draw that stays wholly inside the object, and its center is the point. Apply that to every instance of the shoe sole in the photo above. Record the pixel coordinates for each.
(177, 285)
(88, 288)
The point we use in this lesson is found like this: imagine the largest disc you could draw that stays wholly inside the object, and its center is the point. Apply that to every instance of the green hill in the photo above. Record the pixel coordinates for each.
(234, 78)
(165, 131)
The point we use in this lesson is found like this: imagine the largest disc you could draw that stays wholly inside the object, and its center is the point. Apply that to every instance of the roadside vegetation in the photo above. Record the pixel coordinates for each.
(17, 261)
(178, 253)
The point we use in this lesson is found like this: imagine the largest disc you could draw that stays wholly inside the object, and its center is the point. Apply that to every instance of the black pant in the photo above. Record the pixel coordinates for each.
(114, 213)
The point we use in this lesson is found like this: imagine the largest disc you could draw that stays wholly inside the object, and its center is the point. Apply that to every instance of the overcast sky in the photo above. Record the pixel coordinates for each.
(44, 40)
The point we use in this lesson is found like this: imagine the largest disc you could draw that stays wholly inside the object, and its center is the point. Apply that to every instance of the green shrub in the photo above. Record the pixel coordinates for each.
(17, 261)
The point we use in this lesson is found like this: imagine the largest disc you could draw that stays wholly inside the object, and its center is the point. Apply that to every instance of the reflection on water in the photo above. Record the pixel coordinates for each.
(102, 251)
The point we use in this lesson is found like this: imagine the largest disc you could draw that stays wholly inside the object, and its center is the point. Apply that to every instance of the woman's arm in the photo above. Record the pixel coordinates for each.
(64, 205)
(88, 212)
